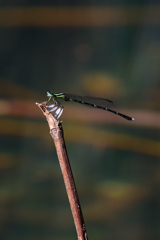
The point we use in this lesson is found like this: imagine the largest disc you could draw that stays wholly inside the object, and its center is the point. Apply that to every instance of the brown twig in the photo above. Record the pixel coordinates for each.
(56, 132)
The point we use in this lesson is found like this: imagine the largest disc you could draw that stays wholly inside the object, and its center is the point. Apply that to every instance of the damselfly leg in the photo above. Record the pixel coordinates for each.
(57, 107)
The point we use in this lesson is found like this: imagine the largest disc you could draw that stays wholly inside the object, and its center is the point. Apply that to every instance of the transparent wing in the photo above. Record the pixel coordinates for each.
(86, 99)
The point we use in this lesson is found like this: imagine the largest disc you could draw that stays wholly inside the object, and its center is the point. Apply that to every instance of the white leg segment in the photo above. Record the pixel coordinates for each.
(51, 106)
(53, 109)
(60, 113)
(44, 102)
(57, 112)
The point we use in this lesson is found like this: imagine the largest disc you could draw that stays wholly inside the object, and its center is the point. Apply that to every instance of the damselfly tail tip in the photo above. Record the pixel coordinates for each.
(133, 119)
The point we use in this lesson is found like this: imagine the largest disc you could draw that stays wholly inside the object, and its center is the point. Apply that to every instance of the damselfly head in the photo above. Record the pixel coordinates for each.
(49, 93)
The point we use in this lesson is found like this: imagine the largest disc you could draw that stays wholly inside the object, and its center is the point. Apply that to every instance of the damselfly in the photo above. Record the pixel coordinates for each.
(90, 101)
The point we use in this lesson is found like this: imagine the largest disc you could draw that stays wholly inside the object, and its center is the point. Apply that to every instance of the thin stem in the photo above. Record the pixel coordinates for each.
(56, 132)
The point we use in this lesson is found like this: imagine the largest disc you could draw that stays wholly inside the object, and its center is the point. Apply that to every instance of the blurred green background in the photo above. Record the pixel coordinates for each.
(100, 48)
